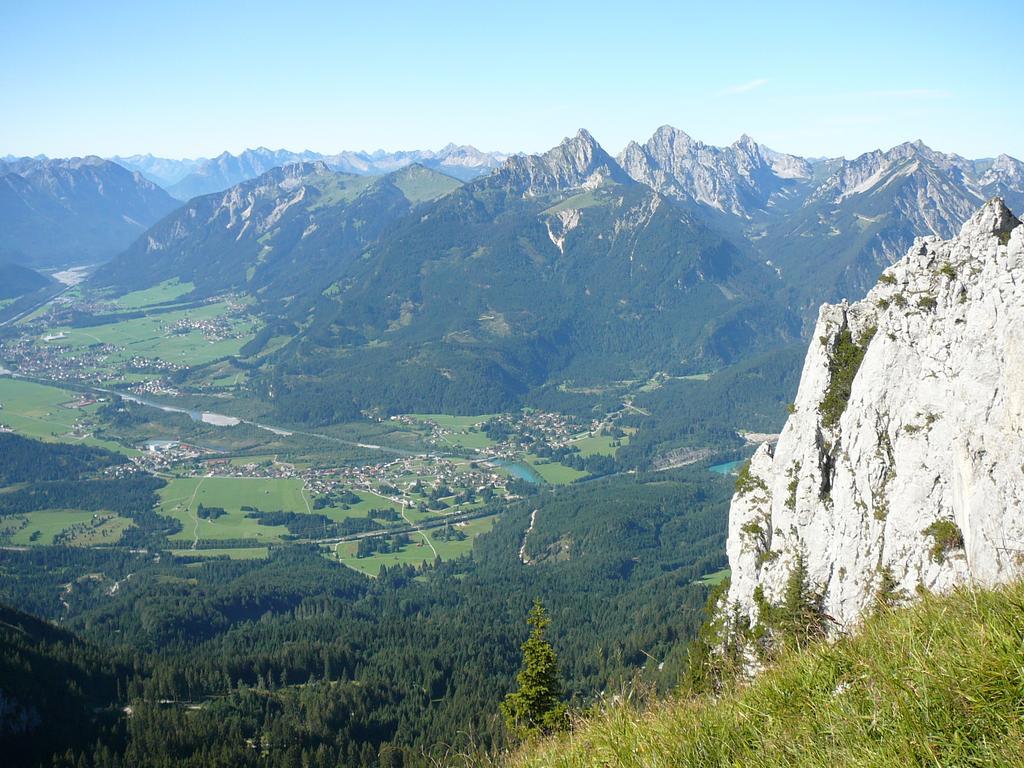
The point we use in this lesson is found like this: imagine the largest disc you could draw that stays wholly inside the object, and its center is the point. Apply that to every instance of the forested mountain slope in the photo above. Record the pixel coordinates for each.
(17, 281)
(555, 266)
(312, 661)
(74, 211)
(290, 231)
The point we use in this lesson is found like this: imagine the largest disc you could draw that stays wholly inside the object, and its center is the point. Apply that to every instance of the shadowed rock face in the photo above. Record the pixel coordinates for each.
(915, 469)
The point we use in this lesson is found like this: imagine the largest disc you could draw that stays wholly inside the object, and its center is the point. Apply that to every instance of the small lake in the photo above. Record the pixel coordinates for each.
(728, 468)
(517, 470)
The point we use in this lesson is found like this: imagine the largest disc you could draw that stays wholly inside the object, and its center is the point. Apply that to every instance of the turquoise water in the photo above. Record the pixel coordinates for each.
(728, 468)
(521, 471)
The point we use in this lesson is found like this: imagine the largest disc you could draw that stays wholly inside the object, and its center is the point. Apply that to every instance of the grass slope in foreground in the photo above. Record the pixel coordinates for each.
(937, 684)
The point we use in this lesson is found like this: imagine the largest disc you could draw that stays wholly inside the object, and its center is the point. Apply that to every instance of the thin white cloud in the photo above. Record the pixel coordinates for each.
(910, 93)
(733, 90)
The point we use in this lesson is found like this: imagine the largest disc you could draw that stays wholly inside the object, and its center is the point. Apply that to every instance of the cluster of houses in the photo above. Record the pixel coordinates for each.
(55, 361)
(156, 387)
(214, 329)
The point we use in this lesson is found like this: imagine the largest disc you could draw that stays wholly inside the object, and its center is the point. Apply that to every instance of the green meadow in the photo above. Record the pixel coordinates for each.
(151, 336)
(553, 472)
(422, 549)
(81, 529)
(181, 498)
(599, 444)
(714, 579)
(368, 501)
(161, 293)
(37, 410)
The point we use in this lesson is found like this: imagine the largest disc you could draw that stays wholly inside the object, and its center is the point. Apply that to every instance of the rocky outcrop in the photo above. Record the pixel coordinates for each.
(902, 465)
(577, 163)
(736, 179)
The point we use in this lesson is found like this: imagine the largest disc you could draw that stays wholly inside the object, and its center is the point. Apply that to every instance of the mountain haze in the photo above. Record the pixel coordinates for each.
(74, 211)
(287, 231)
(227, 170)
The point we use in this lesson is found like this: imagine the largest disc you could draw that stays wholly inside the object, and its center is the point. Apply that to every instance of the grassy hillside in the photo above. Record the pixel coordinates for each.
(938, 684)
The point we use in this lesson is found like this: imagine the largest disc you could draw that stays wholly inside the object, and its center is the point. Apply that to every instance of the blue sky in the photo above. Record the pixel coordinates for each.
(195, 78)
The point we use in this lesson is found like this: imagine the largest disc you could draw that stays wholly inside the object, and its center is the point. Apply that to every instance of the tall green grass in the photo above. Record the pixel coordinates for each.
(940, 683)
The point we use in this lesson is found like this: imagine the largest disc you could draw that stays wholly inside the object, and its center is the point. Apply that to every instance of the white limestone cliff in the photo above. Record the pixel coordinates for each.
(933, 430)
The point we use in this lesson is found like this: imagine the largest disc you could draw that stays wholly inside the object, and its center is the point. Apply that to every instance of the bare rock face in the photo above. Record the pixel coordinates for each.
(902, 466)
(736, 179)
(577, 163)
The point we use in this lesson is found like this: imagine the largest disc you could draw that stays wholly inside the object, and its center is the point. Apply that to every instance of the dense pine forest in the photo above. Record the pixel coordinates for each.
(299, 660)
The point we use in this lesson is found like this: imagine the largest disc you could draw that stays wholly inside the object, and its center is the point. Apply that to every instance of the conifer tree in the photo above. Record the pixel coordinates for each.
(536, 707)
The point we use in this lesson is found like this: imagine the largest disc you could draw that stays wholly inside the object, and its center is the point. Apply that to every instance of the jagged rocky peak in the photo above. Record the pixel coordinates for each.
(298, 170)
(902, 466)
(737, 179)
(578, 162)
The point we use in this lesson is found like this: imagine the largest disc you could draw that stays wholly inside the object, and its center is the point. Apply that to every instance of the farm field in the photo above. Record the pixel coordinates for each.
(369, 500)
(418, 551)
(599, 444)
(152, 337)
(181, 498)
(553, 472)
(169, 290)
(37, 410)
(79, 529)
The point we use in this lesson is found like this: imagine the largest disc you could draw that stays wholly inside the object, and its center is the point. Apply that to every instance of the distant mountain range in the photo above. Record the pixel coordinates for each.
(185, 179)
(555, 265)
(74, 211)
(570, 265)
(829, 226)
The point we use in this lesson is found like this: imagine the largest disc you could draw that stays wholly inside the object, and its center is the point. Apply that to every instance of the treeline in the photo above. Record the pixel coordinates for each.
(132, 496)
(31, 461)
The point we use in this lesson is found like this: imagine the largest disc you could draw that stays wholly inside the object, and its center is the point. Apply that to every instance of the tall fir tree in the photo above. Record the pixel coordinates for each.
(537, 706)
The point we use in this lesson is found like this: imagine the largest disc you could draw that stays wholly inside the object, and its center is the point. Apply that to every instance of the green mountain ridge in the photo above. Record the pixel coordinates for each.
(275, 236)
(412, 292)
